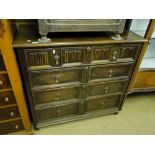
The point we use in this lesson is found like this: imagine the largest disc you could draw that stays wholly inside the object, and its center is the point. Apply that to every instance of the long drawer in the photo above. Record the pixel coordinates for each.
(7, 98)
(102, 103)
(45, 58)
(57, 76)
(4, 81)
(57, 111)
(9, 113)
(104, 88)
(11, 126)
(110, 72)
(59, 94)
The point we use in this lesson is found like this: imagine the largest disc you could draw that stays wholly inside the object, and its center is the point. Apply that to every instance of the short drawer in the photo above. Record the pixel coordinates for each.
(104, 88)
(4, 81)
(57, 76)
(11, 126)
(2, 66)
(73, 56)
(102, 103)
(42, 58)
(109, 72)
(7, 98)
(59, 94)
(57, 111)
(114, 53)
(9, 113)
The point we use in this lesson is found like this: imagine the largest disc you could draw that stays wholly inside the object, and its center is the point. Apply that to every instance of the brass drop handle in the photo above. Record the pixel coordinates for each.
(6, 99)
(86, 68)
(115, 53)
(58, 112)
(57, 78)
(110, 73)
(1, 83)
(88, 48)
(16, 126)
(57, 57)
(106, 90)
(102, 105)
(58, 96)
(12, 113)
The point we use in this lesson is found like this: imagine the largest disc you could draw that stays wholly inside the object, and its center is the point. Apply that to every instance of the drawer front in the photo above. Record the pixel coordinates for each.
(42, 58)
(59, 94)
(9, 113)
(57, 111)
(7, 98)
(4, 81)
(109, 72)
(106, 88)
(111, 53)
(2, 66)
(102, 103)
(40, 78)
(73, 56)
(12, 126)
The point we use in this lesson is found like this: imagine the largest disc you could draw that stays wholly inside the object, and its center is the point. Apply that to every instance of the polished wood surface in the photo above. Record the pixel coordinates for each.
(142, 79)
(28, 37)
(12, 72)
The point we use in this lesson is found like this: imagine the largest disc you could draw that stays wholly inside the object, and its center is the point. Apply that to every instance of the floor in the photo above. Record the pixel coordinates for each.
(136, 117)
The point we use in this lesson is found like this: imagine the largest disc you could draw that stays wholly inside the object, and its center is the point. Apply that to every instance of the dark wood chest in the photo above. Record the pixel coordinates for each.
(76, 78)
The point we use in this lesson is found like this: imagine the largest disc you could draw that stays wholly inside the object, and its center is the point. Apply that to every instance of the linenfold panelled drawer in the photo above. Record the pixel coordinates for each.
(45, 58)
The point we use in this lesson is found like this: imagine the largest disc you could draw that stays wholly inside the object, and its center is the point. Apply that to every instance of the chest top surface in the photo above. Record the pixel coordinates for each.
(27, 37)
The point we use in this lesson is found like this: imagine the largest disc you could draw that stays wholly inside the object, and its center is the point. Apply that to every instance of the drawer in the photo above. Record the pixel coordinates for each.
(4, 81)
(109, 72)
(114, 53)
(105, 88)
(57, 111)
(7, 98)
(57, 76)
(12, 126)
(74, 56)
(9, 113)
(42, 58)
(2, 66)
(102, 103)
(59, 94)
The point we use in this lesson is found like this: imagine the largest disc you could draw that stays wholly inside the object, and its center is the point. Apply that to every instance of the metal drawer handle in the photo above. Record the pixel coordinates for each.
(57, 78)
(102, 105)
(12, 113)
(16, 126)
(58, 97)
(110, 73)
(106, 90)
(1, 83)
(6, 99)
(86, 68)
(88, 48)
(115, 53)
(56, 57)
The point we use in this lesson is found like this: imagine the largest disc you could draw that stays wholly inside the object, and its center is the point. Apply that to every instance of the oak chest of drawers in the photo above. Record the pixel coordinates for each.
(76, 78)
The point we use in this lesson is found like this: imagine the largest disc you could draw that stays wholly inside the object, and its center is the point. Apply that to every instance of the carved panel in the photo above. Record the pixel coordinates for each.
(37, 57)
(72, 56)
(128, 52)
